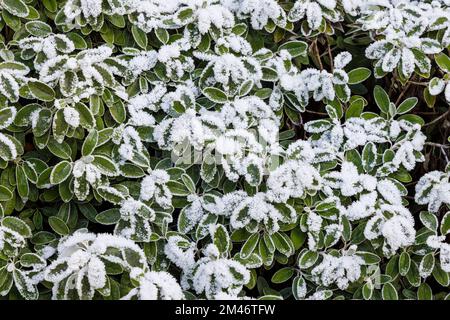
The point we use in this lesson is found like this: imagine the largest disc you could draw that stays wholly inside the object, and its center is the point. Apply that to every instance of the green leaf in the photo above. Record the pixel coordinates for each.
(23, 115)
(139, 36)
(208, 168)
(41, 91)
(389, 292)
(17, 225)
(77, 40)
(130, 170)
(413, 118)
(426, 265)
(5, 194)
(22, 183)
(429, 220)
(32, 260)
(58, 225)
(118, 112)
(112, 194)
(89, 143)
(43, 237)
(178, 189)
(404, 263)
(295, 48)
(68, 83)
(407, 105)
(443, 61)
(6, 116)
(358, 75)
(16, 8)
(246, 87)
(60, 172)
(282, 275)
(86, 117)
(283, 243)
(188, 182)
(38, 28)
(445, 224)
(424, 292)
(22, 283)
(429, 99)
(381, 99)
(413, 275)
(307, 259)
(105, 165)
(367, 290)
(88, 210)
(162, 35)
(108, 217)
(269, 74)
(215, 95)
(61, 150)
(369, 257)
(221, 239)
(369, 156)
(298, 285)
(249, 246)
(50, 5)
(254, 174)
(442, 277)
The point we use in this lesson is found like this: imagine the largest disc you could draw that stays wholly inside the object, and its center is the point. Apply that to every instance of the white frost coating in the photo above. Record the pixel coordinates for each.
(6, 141)
(342, 59)
(259, 210)
(135, 220)
(71, 116)
(349, 181)
(154, 187)
(181, 252)
(6, 122)
(155, 286)
(362, 208)
(315, 12)
(398, 230)
(433, 189)
(338, 270)
(212, 275)
(260, 11)
(438, 242)
(87, 173)
(241, 130)
(389, 191)
(403, 25)
(291, 180)
(80, 256)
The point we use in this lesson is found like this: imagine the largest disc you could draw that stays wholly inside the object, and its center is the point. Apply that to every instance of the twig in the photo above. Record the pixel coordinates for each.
(316, 112)
(402, 93)
(445, 114)
(317, 54)
(419, 83)
(445, 155)
(441, 147)
(330, 56)
(438, 145)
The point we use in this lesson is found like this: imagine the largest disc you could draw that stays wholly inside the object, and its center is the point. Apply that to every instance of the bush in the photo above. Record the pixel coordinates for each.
(224, 149)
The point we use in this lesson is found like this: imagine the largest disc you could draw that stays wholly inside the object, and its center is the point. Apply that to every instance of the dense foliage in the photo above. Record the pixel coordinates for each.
(214, 149)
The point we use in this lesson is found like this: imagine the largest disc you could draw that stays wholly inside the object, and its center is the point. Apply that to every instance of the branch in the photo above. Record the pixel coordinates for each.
(445, 114)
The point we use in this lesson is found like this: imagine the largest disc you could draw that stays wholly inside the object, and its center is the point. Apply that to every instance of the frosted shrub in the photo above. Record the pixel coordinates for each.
(221, 149)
